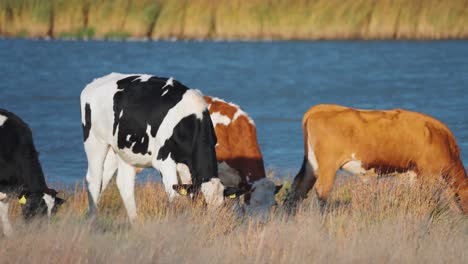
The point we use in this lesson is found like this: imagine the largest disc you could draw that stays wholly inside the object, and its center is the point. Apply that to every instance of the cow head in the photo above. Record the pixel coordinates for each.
(212, 191)
(39, 204)
(262, 197)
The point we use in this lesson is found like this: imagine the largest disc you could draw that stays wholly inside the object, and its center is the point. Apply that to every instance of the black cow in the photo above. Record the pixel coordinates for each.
(21, 173)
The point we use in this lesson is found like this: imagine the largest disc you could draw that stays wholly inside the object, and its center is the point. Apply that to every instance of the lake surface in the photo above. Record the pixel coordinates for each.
(275, 82)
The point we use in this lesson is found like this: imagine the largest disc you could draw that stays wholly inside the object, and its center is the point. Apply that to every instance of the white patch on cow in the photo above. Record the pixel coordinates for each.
(262, 199)
(213, 191)
(354, 167)
(312, 159)
(144, 77)
(128, 137)
(121, 114)
(165, 92)
(218, 118)
(7, 229)
(192, 103)
(184, 173)
(239, 111)
(50, 202)
(3, 119)
(170, 82)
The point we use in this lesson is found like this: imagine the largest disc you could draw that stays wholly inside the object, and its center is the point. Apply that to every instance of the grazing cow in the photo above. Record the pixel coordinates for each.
(147, 121)
(21, 173)
(240, 161)
(358, 140)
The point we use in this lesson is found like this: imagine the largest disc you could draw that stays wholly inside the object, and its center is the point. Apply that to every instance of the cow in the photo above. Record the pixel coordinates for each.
(240, 163)
(21, 174)
(147, 121)
(338, 137)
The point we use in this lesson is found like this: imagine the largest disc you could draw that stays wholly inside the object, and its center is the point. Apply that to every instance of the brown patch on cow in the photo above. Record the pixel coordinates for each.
(386, 140)
(218, 106)
(237, 142)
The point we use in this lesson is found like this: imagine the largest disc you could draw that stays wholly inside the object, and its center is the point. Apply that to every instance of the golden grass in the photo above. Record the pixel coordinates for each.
(237, 19)
(382, 221)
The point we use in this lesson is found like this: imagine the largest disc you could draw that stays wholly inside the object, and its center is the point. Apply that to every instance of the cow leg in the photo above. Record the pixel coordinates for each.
(126, 184)
(7, 229)
(325, 181)
(110, 167)
(168, 170)
(96, 152)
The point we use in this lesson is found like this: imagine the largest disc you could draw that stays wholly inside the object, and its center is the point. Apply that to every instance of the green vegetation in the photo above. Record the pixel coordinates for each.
(236, 19)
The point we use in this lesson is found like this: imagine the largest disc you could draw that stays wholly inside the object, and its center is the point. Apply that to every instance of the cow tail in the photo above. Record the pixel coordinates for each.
(86, 125)
(301, 174)
(293, 197)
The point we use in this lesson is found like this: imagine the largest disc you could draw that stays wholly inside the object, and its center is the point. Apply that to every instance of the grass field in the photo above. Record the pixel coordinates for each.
(235, 19)
(383, 221)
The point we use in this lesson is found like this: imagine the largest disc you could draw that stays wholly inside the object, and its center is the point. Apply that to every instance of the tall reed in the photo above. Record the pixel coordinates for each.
(387, 220)
(237, 19)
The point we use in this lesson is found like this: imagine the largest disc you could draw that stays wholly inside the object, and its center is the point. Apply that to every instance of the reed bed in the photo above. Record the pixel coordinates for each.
(382, 221)
(235, 19)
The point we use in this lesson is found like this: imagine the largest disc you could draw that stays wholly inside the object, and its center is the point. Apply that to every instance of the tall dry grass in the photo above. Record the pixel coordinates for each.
(380, 222)
(236, 19)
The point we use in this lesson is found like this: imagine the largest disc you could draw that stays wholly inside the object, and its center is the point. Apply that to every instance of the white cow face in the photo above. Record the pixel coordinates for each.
(262, 199)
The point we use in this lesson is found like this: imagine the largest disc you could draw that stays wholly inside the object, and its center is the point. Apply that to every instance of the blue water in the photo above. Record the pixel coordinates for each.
(275, 82)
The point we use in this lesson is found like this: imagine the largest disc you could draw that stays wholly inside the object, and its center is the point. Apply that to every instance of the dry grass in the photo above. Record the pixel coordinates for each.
(236, 19)
(380, 222)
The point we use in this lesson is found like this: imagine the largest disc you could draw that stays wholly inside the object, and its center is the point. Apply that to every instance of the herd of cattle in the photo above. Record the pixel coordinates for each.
(204, 145)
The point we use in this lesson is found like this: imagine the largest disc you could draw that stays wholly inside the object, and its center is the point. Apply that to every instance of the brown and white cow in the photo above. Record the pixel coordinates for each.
(240, 163)
(337, 137)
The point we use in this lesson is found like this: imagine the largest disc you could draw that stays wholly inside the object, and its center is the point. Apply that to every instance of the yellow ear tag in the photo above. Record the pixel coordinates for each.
(22, 200)
(232, 196)
(183, 192)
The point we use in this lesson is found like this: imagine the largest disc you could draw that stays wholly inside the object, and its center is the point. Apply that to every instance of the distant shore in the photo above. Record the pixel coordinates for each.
(235, 19)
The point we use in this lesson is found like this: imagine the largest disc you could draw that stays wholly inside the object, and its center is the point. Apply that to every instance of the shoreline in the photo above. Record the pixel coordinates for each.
(227, 40)
(236, 19)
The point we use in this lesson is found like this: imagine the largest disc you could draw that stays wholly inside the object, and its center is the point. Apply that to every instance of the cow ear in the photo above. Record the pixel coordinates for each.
(183, 189)
(59, 201)
(278, 188)
(51, 192)
(23, 194)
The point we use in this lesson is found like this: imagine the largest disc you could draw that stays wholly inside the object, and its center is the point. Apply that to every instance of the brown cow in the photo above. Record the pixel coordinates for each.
(240, 163)
(337, 137)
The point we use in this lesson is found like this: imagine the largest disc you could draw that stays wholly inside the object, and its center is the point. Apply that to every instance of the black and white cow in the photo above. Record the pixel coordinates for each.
(21, 173)
(147, 121)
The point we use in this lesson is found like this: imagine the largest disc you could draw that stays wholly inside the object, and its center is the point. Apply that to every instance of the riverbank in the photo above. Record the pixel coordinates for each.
(235, 19)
